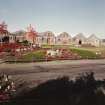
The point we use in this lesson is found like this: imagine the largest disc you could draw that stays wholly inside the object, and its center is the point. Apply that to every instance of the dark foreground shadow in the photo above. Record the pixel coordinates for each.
(84, 90)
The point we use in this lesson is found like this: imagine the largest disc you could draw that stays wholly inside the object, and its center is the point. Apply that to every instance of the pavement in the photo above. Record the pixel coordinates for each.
(36, 73)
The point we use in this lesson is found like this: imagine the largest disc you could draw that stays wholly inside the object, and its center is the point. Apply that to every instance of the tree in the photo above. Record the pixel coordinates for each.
(5, 39)
(25, 42)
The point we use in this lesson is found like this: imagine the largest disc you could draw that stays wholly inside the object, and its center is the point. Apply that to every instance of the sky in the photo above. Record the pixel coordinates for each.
(72, 16)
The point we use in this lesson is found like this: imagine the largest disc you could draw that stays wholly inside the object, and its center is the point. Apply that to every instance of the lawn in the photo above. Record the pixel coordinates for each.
(85, 54)
(93, 49)
(39, 55)
(90, 51)
(34, 56)
(55, 46)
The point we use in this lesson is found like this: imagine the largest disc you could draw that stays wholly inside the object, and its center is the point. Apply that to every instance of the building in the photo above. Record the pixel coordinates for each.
(5, 35)
(31, 35)
(79, 39)
(63, 39)
(18, 36)
(93, 41)
(47, 37)
(103, 42)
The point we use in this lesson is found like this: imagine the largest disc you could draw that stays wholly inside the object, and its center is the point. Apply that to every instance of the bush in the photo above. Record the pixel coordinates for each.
(7, 50)
(7, 87)
(25, 43)
(84, 90)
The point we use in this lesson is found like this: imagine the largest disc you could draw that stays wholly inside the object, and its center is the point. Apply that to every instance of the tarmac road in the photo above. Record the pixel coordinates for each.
(35, 73)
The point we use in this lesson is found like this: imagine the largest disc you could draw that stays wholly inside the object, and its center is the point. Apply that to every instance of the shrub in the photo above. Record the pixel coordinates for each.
(7, 50)
(7, 87)
(25, 42)
(84, 90)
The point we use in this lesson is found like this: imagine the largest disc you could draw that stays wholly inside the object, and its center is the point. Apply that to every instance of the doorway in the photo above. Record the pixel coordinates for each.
(80, 42)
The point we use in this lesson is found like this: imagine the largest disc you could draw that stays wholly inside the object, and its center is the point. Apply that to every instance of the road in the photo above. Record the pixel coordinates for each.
(35, 73)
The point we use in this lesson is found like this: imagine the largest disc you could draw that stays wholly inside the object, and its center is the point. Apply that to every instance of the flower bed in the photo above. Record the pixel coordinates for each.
(8, 46)
(63, 54)
(7, 88)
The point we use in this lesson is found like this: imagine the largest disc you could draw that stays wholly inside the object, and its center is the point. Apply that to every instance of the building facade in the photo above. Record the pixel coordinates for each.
(79, 39)
(31, 35)
(94, 41)
(63, 39)
(48, 37)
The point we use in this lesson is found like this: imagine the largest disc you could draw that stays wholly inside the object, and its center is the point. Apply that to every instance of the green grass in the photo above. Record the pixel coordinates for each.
(34, 56)
(46, 46)
(55, 46)
(85, 54)
(93, 49)
(39, 55)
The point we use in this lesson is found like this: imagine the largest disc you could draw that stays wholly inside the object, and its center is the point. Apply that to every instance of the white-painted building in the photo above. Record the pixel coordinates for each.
(79, 39)
(94, 41)
(63, 39)
(47, 37)
(103, 42)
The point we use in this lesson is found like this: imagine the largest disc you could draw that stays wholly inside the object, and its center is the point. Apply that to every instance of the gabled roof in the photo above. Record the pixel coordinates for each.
(93, 36)
(46, 34)
(64, 34)
(79, 36)
(19, 33)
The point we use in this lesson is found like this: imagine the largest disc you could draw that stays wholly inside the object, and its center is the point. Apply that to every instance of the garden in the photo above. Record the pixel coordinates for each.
(20, 53)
